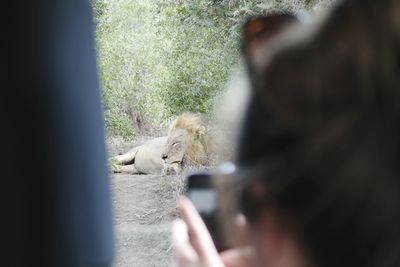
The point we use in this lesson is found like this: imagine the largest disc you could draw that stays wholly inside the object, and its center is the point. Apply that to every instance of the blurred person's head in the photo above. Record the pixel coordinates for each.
(320, 143)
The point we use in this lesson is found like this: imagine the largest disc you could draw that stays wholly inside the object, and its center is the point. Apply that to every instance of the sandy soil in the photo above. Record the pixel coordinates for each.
(144, 206)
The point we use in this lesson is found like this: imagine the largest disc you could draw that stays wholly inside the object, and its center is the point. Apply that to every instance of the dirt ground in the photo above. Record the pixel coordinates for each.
(144, 206)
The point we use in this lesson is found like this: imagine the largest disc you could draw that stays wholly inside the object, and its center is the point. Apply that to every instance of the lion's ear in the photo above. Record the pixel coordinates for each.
(201, 131)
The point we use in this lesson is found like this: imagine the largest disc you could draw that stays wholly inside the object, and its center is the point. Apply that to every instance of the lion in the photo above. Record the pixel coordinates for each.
(187, 143)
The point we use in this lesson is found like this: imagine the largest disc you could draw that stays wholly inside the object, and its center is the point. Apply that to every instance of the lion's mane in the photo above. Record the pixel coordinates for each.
(198, 149)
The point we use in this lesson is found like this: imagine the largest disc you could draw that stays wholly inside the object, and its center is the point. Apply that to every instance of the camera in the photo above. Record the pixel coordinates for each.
(202, 192)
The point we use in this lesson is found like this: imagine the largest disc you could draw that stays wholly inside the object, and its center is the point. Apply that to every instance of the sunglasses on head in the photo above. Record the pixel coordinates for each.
(260, 30)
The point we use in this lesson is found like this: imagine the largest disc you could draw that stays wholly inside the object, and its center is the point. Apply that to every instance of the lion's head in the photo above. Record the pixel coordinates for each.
(187, 143)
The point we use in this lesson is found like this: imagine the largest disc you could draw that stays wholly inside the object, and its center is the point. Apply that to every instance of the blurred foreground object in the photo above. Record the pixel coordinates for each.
(55, 192)
(321, 136)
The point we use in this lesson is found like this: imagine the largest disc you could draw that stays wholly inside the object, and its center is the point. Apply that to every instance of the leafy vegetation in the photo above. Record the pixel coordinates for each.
(158, 58)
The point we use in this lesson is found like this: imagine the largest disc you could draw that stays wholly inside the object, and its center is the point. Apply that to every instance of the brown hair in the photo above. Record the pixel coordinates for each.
(324, 121)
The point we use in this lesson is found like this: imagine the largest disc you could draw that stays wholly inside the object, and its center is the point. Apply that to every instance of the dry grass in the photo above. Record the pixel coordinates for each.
(168, 189)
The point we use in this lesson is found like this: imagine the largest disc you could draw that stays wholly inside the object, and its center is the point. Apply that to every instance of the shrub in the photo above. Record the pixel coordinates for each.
(162, 57)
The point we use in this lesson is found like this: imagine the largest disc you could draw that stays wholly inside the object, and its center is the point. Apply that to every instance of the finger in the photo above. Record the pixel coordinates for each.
(198, 233)
(199, 236)
(241, 230)
(239, 257)
(184, 253)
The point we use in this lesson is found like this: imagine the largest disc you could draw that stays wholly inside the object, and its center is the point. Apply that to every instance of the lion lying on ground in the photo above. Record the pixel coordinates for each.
(186, 144)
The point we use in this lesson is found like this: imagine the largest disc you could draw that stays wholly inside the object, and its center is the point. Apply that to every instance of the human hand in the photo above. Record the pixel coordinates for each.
(193, 244)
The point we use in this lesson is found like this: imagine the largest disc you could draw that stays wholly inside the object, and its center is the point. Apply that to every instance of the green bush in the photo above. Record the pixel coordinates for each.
(158, 58)
(128, 62)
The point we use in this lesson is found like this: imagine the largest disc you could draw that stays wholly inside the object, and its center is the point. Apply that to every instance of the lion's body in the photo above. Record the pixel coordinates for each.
(143, 159)
(149, 157)
(186, 144)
